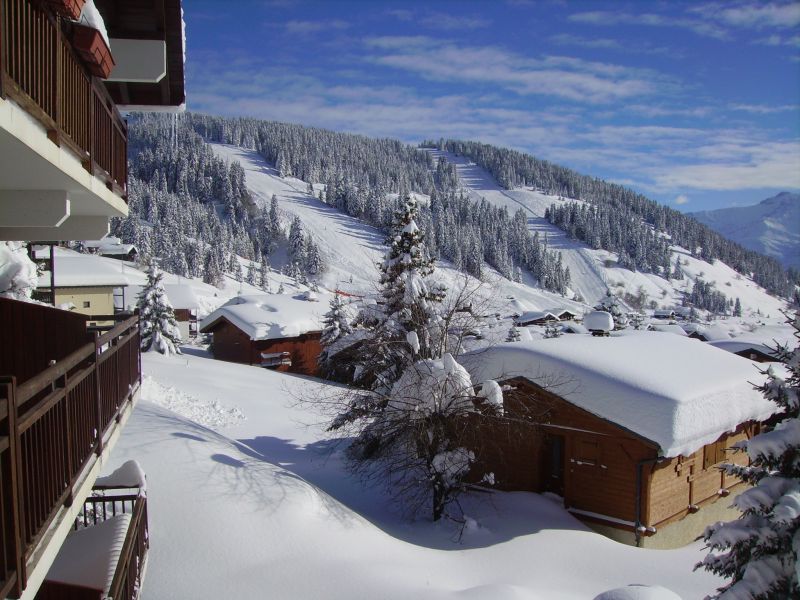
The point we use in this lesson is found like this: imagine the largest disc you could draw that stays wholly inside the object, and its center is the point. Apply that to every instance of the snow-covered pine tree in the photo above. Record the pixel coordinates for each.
(335, 325)
(513, 334)
(610, 304)
(157, 325)
(758, 553)
(552, 330)
(212, 273)
(263, 275)
(737, 308)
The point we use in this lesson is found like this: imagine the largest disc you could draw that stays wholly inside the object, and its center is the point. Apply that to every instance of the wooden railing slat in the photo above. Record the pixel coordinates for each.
(64, 413)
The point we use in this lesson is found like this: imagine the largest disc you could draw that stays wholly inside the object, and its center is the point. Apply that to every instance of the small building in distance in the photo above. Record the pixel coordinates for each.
(183, 299)
(85, 283)
(746, 348)
(112, 247)
(268, 330)
(706, 333)
(535, 317)
(633, 448)
(664, 314)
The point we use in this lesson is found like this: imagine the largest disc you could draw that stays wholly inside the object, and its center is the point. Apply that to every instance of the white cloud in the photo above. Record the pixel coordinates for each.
(762, 109)
(698, 26)
(307, 27)
(752, 15)
(681, 199)
(448, 22)
(566, 77)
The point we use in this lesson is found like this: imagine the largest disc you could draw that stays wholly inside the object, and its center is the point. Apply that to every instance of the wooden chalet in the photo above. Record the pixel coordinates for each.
(66, 392)
(274, 331)
(535, 317)
(749, 349)
(633, 453)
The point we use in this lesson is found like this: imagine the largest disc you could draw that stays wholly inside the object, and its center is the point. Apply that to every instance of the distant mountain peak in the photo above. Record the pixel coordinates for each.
(771, 227)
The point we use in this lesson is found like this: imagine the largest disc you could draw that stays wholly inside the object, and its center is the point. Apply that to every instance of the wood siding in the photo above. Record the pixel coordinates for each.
(33, 335)
(601, 462)
(232, 344)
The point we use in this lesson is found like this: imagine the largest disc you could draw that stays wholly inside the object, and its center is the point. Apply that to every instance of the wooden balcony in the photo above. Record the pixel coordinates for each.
(57, 415)
(40, 71)
(70, 579)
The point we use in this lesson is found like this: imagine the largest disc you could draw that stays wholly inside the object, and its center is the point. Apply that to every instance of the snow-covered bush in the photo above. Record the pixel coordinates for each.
(157, 324)
(759, 552)
(18, 277)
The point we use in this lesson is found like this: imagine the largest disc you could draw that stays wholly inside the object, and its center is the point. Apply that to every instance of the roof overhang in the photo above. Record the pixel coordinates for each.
(146, 38)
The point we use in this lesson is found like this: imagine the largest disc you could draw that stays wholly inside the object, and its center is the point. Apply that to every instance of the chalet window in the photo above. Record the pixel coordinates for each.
(714, 453)
(276, 359)
(587, 453)
(86, 304)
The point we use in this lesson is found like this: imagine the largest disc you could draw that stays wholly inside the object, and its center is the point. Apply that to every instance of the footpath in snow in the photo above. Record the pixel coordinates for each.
(256, 503)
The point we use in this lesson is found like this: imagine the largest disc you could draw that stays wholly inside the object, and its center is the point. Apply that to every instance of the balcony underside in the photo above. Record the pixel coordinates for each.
(32, 162)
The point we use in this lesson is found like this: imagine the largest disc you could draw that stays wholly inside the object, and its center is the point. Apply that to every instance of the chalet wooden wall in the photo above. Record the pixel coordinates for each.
(56, 334)
(600, 461)
(304, 351)
(232, 344)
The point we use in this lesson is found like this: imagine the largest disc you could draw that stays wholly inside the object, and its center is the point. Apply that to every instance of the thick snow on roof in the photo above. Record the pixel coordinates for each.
(74, 269)
(535, 315)
(269, 316)
(739, 344)
(180, 295)
(110, 245)
(669, 328)
(710, 332)
(677, 392)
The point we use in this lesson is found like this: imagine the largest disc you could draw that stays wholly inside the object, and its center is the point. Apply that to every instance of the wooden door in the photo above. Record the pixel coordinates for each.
(553, 467)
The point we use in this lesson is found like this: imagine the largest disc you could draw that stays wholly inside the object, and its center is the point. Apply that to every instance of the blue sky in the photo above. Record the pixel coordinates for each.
(695, 104)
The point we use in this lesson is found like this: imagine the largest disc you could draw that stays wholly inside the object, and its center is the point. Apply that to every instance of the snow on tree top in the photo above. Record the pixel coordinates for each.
(268, 316)
(675, 391)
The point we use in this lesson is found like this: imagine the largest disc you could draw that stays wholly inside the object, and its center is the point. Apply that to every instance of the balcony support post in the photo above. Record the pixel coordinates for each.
(13, 509)
(98, 404)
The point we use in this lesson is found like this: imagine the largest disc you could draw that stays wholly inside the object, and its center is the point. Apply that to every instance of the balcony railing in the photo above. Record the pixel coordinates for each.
(130, 560)
(52, 428)
(40, 71)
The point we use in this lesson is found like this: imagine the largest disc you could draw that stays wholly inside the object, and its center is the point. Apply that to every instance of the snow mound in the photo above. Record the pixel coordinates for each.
(128, 475)
(211, 414)
(17, 272)
(636, 591)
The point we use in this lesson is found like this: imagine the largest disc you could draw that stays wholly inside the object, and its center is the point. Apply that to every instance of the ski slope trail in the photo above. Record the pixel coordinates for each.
(351, 247)
(586, 268)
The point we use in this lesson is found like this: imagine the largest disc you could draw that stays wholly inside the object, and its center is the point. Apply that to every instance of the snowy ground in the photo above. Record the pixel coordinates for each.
(248, 499)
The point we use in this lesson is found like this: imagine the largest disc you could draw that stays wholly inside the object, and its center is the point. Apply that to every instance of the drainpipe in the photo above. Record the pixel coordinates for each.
(639, 527)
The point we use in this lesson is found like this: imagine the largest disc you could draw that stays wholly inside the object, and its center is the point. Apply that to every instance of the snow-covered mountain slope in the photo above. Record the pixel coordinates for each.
(352, 248)
(590, 275)
(263, 506)
(771, 227)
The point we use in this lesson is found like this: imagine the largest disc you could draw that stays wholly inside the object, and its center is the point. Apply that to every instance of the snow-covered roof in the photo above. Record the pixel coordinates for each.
(269, 316)
(574, 327)
(536, 315)
(741, 344)
(73, 269)
(668, 328)
(709, 332)
(676, 392)
(109, 245)
(180, 295)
